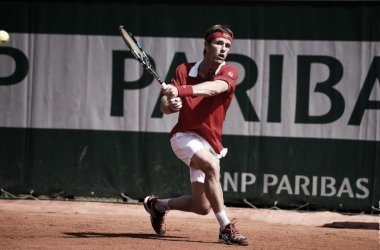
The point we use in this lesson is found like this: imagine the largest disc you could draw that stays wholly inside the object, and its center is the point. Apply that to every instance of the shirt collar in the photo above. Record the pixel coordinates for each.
(194, 70)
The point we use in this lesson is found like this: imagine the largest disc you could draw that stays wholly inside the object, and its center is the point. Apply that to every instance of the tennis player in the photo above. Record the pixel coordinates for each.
(206, 89)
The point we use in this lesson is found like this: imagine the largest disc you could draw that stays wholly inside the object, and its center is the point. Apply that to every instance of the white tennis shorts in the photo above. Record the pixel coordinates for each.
(186, 144)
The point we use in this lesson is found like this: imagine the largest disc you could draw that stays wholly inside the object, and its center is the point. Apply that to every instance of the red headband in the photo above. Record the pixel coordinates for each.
(218, 34)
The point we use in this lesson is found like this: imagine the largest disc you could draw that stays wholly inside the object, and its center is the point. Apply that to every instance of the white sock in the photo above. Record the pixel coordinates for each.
(162, 205)
(222, 218)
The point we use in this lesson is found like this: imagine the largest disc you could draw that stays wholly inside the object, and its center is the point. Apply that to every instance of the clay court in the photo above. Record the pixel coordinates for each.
(32, 224)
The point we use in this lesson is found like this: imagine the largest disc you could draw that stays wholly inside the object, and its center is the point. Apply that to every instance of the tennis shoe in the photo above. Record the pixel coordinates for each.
(157, 219)
(231, 236)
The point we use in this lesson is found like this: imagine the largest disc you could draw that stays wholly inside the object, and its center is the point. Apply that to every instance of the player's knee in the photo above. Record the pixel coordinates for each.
(213, 168)
(204, 210)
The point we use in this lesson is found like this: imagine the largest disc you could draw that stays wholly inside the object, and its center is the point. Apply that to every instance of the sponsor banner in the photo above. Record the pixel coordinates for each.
(286, 88)
(298, 187)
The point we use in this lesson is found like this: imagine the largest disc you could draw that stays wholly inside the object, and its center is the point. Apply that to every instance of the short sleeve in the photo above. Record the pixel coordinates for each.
(230, 74)
(176, 81)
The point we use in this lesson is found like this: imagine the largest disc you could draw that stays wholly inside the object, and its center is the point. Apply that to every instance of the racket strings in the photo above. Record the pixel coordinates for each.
(138, 52)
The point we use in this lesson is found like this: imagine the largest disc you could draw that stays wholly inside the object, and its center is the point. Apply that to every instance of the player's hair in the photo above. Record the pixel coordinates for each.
(218, 28)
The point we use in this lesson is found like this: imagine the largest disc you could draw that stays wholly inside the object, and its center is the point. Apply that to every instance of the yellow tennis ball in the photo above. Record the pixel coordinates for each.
(4, 36)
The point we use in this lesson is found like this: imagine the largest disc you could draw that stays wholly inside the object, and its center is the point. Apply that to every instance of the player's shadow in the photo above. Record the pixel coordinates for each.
(132, 235)
(353, 225)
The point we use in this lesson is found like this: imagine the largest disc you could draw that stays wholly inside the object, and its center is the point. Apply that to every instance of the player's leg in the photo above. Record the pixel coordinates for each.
(195, 152)
(205, 161)
(196, 203)
(209, 165)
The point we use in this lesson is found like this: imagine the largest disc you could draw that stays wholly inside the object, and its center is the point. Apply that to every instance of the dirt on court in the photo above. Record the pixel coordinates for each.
(39, 224)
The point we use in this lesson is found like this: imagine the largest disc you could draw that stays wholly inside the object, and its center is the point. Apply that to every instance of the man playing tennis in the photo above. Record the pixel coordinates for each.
(206, 89)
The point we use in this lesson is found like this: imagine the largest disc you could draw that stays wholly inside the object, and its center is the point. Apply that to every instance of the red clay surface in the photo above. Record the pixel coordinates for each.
(30, 224)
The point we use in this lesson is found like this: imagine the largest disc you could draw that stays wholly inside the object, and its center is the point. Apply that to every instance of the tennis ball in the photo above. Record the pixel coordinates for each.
(4, 36)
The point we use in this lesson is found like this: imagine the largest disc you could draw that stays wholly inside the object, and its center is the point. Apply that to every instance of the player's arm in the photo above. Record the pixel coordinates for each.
(205, 89)
(210, 88)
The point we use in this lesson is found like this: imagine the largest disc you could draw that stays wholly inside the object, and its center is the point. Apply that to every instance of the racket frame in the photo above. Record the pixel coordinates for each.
(139, 53)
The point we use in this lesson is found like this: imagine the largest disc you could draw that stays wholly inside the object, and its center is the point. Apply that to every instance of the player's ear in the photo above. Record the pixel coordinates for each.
(206, 44)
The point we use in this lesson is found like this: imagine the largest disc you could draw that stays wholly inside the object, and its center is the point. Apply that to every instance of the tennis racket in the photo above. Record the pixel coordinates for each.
(140, 55)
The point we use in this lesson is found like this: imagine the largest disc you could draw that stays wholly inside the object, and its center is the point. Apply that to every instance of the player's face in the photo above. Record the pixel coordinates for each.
(218, 50)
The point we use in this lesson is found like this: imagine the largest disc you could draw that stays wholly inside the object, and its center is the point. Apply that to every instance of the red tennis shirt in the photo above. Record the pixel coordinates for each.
(204, 115)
